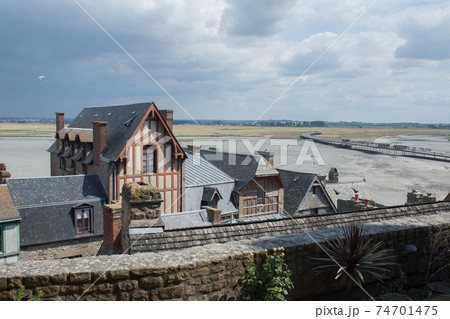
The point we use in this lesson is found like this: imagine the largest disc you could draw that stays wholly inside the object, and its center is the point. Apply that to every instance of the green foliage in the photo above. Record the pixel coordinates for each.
(21, 292)
(357, 257)
(271, 283)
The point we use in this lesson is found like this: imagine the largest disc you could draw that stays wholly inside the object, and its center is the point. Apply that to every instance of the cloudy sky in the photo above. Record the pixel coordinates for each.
(229, 59)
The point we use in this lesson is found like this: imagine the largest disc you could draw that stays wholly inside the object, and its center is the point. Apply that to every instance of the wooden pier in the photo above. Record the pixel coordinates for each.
(381, 148)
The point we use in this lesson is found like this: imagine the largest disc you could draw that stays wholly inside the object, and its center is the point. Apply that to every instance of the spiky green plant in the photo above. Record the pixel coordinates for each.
(358, 258)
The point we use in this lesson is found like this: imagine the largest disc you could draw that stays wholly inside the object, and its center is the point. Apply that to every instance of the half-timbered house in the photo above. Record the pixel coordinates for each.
(125, 143)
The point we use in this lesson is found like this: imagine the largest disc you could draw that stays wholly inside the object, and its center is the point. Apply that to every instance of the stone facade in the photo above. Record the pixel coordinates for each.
(210, 272)
(81, 247)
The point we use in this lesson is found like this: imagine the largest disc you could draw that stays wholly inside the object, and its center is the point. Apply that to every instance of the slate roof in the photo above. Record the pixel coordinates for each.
(55, 189)
(208, 193)
(241, 167)
(184, 238)
(186, 220)
(346, 191)
(8, 210)
(46, 206)
(123, 121)
(200, 172)
(296, 185)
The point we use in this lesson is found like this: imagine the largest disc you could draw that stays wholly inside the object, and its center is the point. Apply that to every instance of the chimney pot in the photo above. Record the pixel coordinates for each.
(59, 125)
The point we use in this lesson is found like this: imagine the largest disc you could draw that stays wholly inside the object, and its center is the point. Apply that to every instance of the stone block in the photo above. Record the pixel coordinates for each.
(231, 282)
(151, 282)
(7, 296)
(48, 291)
(141, 272)
(35, 281)
(217, 268)
(240, 271)
(105, 288)
(204, 289)
(3, 284)
(117, 274)
(99, 276)
(58, 278)
(127, 285)
(171, 292)
(14, 282)
(139, 295)
(69, 290)
(177, 277)
(88, 288)
(79, 278)
(219, 285)
(200, 272)
(124, 296)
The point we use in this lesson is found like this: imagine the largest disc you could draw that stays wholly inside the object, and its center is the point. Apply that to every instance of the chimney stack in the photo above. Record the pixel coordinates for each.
(267, 155)
(59, 125)
(168, 117)
(194, 149)
(4, 174)
(99, 140)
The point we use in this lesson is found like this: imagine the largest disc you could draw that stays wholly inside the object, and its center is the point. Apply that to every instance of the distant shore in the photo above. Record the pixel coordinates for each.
(47, 130)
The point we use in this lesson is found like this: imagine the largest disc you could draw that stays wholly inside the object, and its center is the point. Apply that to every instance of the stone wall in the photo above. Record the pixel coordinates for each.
(81, 247)
(209, 272)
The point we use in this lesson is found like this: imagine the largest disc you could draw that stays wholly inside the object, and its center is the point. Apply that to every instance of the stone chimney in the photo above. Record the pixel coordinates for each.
(194, 149)
(214, 214)
(112, 225)
(140, 212)
(168, 117)
(333, 175)
(99, 140)
(59, 125)
(4, 174)
(267, 155)
(322, 178)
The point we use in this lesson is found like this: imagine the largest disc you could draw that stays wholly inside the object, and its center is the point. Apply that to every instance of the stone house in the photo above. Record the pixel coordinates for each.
(62, 216)
(122, 144)
(305, 194)
(258, 189)
(9, 228)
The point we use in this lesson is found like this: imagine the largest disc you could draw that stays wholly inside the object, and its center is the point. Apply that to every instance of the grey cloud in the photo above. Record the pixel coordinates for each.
(425, 42)
(249, 18)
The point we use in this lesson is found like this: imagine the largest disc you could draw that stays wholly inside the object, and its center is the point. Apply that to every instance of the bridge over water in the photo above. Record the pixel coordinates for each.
(382, 148)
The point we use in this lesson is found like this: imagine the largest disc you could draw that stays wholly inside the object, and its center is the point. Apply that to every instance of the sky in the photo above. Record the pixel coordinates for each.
(229, 59)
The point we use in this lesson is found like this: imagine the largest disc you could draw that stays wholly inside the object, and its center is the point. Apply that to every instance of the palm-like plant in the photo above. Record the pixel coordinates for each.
(356, 256)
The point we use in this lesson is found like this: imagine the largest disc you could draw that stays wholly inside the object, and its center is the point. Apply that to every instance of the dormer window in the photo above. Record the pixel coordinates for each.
(83, 219)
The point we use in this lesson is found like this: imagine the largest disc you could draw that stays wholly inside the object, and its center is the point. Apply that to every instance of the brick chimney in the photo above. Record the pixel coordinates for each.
(168, 117)
(112, 225)
(214, 214)
(99, 140)
(4, 174)
(59, 125)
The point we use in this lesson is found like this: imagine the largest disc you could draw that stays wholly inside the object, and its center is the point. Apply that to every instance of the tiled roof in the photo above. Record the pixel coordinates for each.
(8, 210)
(184, 238)
(200, 172)
(55, 189)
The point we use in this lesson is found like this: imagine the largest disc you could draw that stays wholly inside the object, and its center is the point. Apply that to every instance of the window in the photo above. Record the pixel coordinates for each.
(260, 191)
(83, 220)
(149, 159)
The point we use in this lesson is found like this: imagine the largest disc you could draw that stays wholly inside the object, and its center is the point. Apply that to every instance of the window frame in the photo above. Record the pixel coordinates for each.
(260, 192)
(84, 230)
(148, 150)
